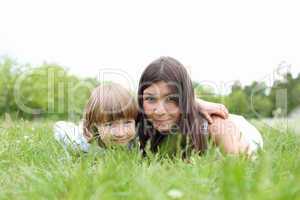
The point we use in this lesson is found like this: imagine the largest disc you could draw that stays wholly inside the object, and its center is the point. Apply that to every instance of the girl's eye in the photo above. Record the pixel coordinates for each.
(150, 99)
(127, 122)
(108, 124)
(172, 99)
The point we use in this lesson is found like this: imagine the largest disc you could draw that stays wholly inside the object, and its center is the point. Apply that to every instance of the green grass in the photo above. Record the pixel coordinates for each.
(34, 166)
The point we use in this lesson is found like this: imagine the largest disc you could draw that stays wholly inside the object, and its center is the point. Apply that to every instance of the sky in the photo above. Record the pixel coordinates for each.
(218, 41)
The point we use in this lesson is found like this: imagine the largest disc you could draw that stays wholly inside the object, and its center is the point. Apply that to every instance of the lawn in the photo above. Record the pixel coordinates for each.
(34, 166)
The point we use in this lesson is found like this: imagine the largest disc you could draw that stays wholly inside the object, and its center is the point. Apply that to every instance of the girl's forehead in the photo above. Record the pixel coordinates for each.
(160, 88)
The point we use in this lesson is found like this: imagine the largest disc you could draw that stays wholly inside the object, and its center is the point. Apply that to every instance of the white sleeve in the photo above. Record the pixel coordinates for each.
(69, 134)
(251, 135)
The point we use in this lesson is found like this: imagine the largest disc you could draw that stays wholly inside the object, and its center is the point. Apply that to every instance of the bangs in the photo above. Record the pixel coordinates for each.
(168, 70)
(115, 103)
(117, 111)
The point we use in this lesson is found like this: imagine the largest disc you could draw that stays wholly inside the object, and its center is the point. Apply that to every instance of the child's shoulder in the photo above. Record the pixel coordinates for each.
(248, 131)
(68, 133)
(242, 123)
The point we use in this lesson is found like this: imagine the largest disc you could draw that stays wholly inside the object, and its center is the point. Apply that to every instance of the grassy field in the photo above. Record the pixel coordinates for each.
(34, 166)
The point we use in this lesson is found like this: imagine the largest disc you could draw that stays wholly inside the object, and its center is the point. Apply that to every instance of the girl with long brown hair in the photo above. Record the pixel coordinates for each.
(169, 118)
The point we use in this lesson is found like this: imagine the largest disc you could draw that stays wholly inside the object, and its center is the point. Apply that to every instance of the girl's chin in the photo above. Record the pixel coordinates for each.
(166, 129)
(121, 142)
(163, 129)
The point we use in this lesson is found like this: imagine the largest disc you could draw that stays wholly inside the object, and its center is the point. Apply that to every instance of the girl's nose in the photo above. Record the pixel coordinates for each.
(119, 132)
(159, 109)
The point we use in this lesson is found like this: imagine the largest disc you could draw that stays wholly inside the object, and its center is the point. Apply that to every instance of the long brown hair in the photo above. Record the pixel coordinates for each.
(108, 102)
(191, 123)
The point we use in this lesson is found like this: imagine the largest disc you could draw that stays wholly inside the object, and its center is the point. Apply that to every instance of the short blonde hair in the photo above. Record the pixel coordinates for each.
(108, 102)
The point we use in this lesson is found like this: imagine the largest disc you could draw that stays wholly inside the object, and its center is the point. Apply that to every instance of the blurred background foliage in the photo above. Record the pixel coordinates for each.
(48, 91)
(257, 100)
(51, 91)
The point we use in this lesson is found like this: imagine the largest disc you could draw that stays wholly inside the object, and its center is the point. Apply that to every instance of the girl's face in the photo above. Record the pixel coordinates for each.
(161, 106)
(117, 132)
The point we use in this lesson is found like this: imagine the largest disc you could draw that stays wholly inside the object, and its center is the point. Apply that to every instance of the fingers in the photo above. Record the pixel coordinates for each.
(208, 118)
(220, 113)
(223, 112)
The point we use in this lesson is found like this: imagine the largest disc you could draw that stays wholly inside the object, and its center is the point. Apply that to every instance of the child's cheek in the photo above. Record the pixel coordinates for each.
(131, 131)
(106, 135)
(148, 108)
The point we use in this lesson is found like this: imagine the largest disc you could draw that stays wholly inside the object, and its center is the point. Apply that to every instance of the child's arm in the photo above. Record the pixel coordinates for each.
(235, 135)
(227, 135)
(208, 109)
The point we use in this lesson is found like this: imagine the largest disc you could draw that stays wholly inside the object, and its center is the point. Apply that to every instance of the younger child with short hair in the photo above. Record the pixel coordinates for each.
(109, 119)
